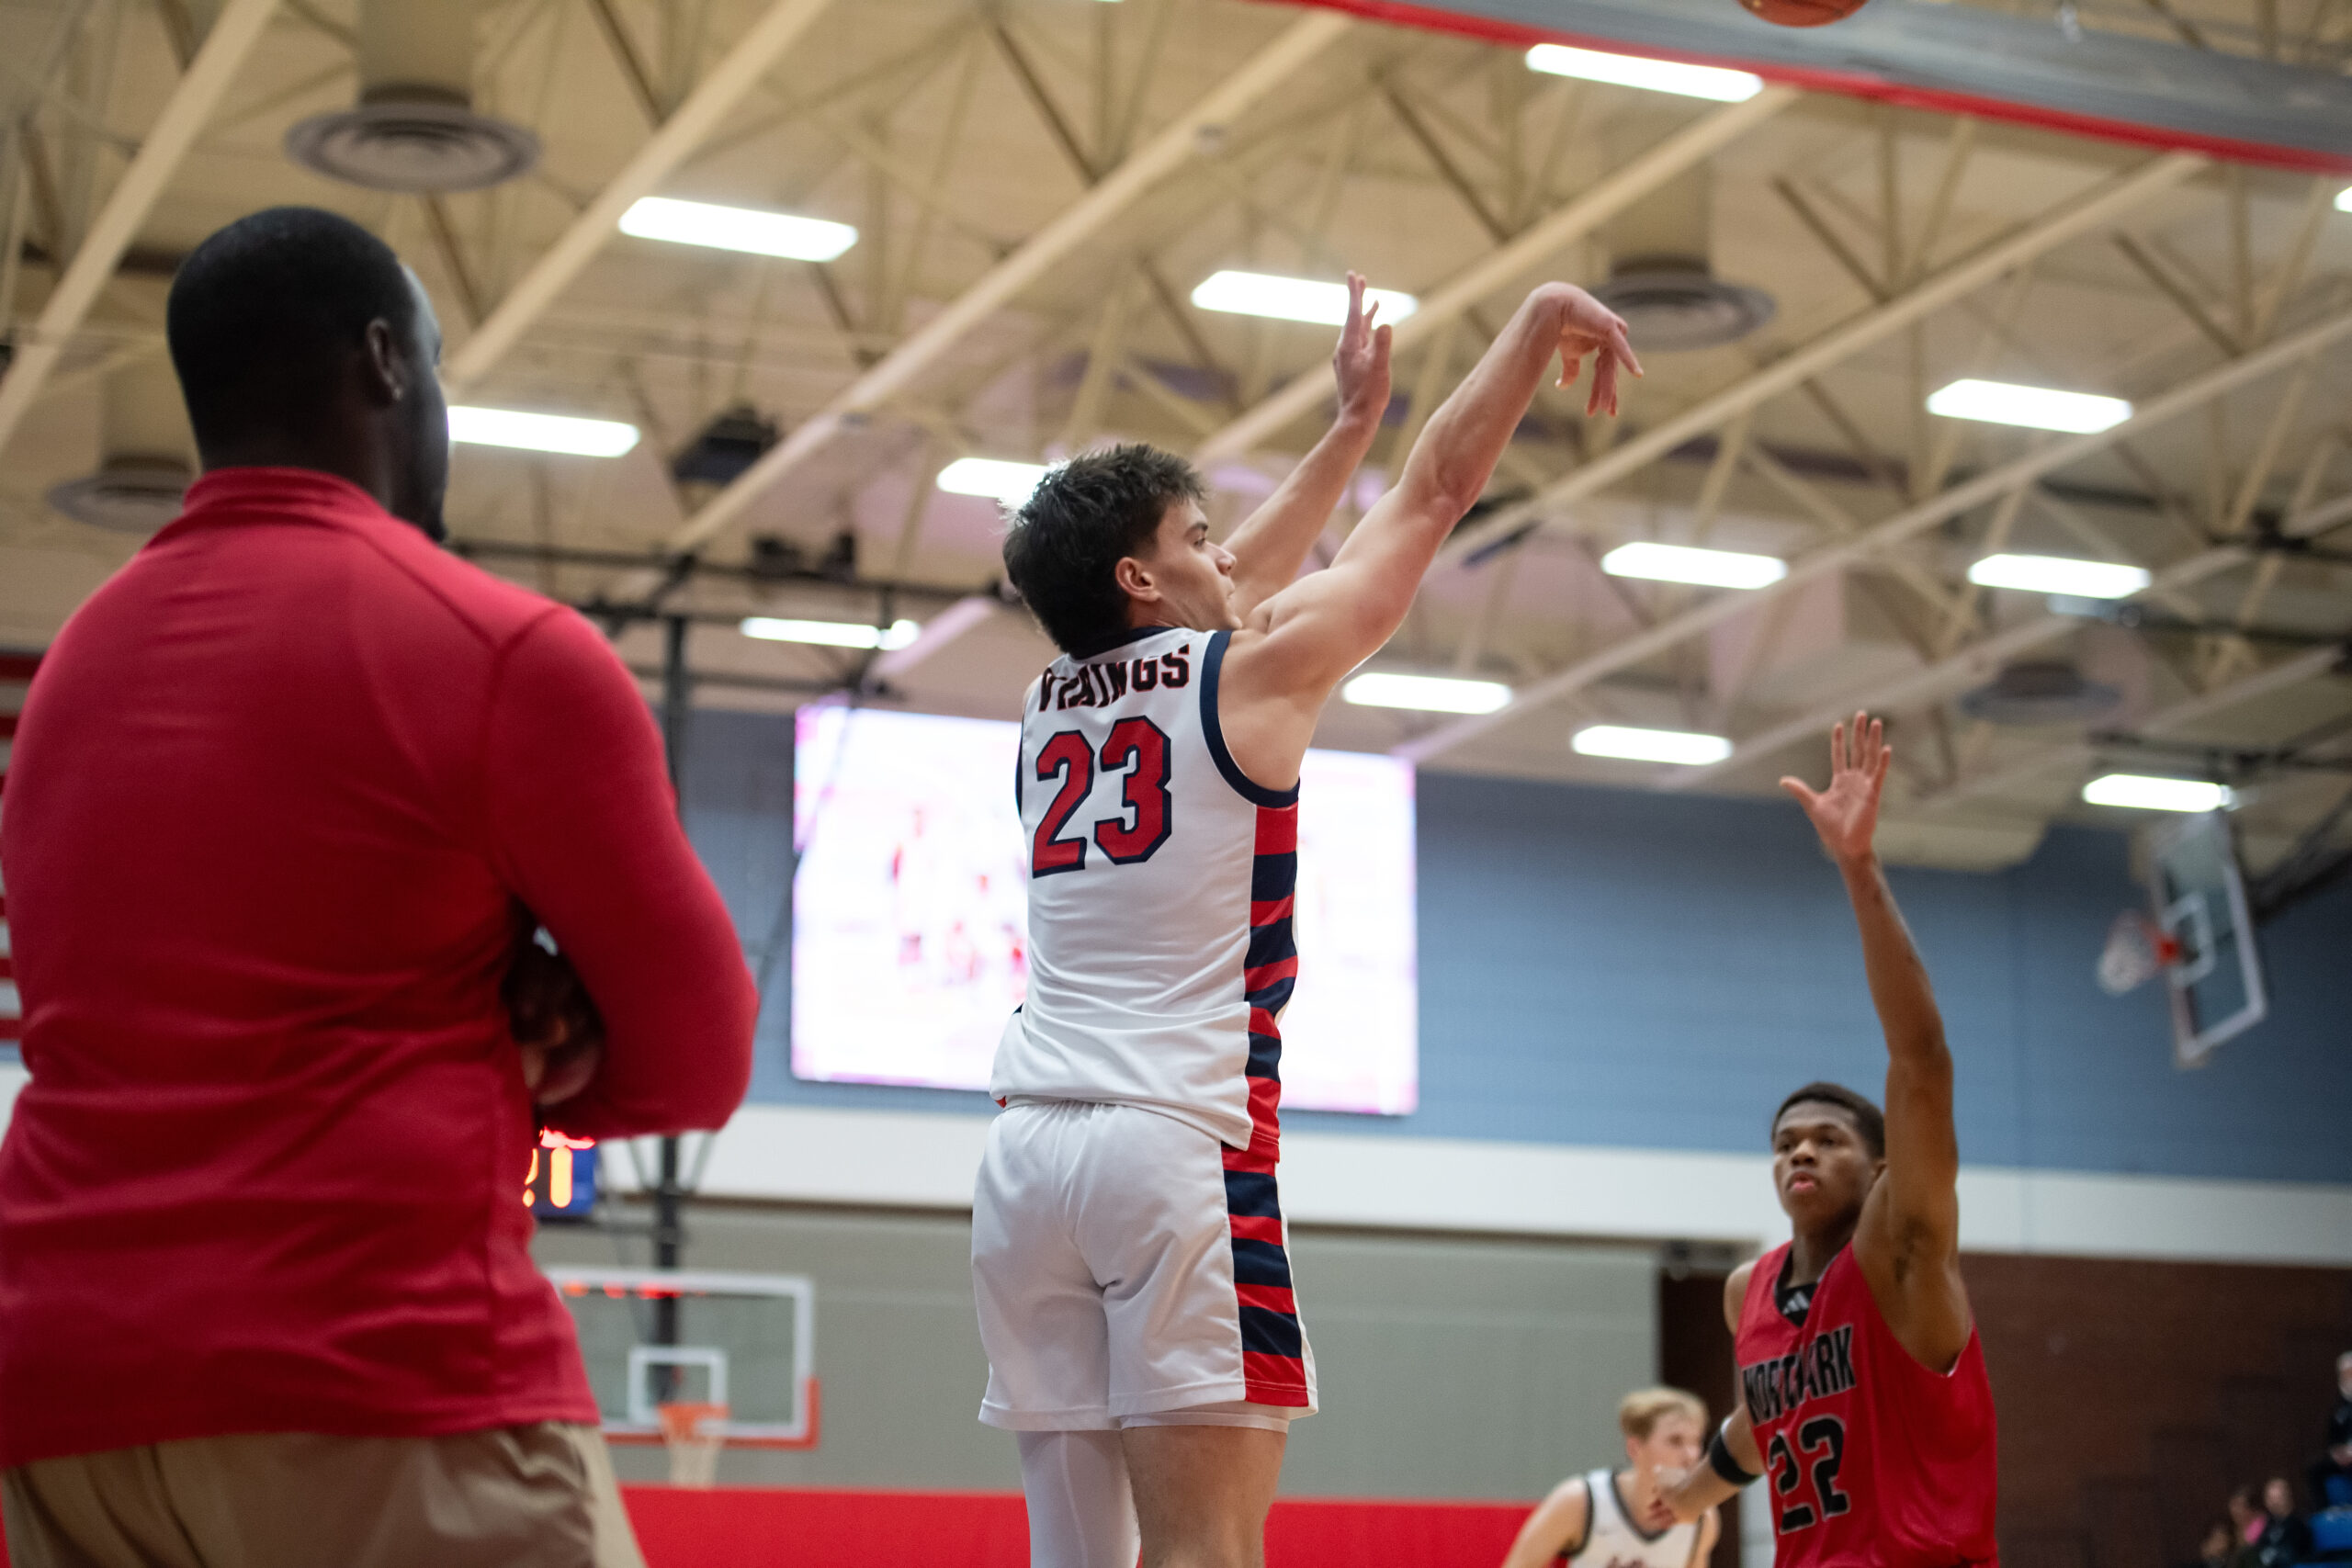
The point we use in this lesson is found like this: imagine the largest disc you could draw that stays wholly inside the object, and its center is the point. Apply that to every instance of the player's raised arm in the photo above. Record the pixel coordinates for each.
(1272, 543)
(1325, 624)
(1908, 1240)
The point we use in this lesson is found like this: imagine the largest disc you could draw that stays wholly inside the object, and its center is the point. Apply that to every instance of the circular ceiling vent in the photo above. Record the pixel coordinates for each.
(1676, 303)
(412, 139)
(2041, 691)
(128, 495)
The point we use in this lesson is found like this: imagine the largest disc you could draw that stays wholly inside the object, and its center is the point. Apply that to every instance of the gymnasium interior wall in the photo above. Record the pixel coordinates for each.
(1609, 968)
(1458, 1367)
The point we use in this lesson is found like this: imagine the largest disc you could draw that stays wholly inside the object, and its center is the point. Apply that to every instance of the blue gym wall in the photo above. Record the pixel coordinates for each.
(1615, 968)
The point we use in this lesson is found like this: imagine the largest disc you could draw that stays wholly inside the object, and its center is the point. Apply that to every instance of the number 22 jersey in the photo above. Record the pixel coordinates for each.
(1161, 881)
(1871, 1460)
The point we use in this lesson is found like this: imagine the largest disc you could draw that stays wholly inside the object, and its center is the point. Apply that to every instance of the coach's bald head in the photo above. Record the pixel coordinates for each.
(301, 342)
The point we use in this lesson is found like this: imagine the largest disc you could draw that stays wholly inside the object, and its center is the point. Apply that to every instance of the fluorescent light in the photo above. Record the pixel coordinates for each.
(2149, 793)
(1294, 298)
(2036, 408)
(2056, 574)
(1651, 745)
(1007, 482)
(1687, 563)
(541, 432)
(736, 229)
(1658, 75)
(2343, 200)
(832, 634)
(1430, 693)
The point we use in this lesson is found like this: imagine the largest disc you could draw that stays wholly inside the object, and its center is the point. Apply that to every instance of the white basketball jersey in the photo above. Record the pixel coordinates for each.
(1159, 896)
(1613, 1540)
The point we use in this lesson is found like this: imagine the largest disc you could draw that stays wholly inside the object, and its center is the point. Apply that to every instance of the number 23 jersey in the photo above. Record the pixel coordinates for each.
(1161, 881)
(1870, 1459)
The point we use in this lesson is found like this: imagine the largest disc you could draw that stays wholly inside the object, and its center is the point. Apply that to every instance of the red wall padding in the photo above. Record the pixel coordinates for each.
(745, 1527)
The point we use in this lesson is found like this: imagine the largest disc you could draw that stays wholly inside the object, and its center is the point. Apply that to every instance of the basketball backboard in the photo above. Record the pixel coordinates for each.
(2217, 986)
(746, 1341)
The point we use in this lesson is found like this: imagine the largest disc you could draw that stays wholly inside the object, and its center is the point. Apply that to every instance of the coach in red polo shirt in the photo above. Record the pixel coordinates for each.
(287, 791)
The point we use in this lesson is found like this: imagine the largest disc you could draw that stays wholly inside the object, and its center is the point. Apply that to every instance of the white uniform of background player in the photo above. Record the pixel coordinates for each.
(1129, 1259)
(1618, 1518)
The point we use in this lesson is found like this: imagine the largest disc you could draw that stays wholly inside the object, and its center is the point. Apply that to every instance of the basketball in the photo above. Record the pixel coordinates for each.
(1803, 13)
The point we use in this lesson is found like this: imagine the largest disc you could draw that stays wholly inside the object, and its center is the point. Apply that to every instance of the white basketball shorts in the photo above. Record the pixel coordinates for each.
(1124, 1275)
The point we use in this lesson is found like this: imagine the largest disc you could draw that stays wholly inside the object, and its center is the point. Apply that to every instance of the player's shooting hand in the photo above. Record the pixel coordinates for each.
(1587, 326)
(1360, 362)
(1845, 814)
(555, 1023)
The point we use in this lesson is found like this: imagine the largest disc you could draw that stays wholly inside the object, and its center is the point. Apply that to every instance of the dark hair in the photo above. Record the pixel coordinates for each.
(263, 312)
(1083, 517)
(1868, 1119)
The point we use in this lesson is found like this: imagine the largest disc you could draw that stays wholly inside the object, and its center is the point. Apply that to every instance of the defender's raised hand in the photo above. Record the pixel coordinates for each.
(1360, 362)
(1587, 326)
(1845, 814)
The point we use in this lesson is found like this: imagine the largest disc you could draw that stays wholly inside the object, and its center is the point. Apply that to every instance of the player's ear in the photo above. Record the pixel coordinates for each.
(1134, 579)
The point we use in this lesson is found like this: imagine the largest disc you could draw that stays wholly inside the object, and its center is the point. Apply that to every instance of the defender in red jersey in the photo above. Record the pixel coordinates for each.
(1862, 1383)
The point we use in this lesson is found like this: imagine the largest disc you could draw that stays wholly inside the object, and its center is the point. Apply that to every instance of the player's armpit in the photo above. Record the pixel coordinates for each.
(1559, 1524)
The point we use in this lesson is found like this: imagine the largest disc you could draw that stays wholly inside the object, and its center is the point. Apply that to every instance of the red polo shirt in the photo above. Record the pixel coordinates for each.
(277, 792)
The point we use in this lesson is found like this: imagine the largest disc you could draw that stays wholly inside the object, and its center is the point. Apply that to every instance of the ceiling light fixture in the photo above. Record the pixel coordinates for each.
(1677, 746)
(2035, 407)
(1710, 81)
(559, 433)
(1294, 298)
(2057, 574)
(1689, 563)
(1007, 482)
(832, 634)
(736, 229)
(1429, 694)
(2144, 792)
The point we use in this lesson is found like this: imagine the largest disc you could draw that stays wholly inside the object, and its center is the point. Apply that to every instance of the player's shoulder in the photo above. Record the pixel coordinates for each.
(491, 607)
(1735, 1290)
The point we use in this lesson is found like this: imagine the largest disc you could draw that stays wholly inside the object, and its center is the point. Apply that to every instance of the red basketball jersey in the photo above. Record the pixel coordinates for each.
(1870, 1460)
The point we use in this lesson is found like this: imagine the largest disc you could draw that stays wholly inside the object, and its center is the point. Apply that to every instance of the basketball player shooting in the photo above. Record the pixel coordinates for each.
(1862, 1390)
(1128, 1249)
(1619, 1519)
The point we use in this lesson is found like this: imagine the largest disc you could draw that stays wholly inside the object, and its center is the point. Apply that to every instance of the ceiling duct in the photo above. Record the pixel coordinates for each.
(144, 454)
(415, 129)
(2041, 691)
(1661, 272)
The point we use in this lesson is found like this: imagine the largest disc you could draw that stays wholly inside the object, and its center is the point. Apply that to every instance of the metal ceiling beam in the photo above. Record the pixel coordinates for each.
(1175, 144)
(1985, 488)
(713, 98)
(2278, 677)
(1522, 255)
(199, 92)
(2065, 223)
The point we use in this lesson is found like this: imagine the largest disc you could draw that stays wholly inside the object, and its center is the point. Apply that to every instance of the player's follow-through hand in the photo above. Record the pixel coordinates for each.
(1587, 326)
(1845, 814)
(1360, 362)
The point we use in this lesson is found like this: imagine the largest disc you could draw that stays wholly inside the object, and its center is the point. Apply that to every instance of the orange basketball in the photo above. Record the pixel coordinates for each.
(1802, 13)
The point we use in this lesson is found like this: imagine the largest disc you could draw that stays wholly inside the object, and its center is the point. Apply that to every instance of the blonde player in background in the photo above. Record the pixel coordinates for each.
(1618, 1520)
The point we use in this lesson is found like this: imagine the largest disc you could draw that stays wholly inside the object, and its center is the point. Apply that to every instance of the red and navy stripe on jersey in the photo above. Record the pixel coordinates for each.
(1271, 1342)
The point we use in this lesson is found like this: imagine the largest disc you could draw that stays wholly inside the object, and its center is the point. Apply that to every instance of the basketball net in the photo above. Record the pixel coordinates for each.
(694, 1433)
(2137, 951)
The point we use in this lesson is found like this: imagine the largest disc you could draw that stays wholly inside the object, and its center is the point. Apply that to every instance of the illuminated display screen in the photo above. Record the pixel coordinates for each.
(563, 1180)
(910, 916)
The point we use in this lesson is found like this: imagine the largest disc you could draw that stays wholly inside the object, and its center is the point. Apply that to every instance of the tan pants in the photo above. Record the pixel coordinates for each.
(534, 1497)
